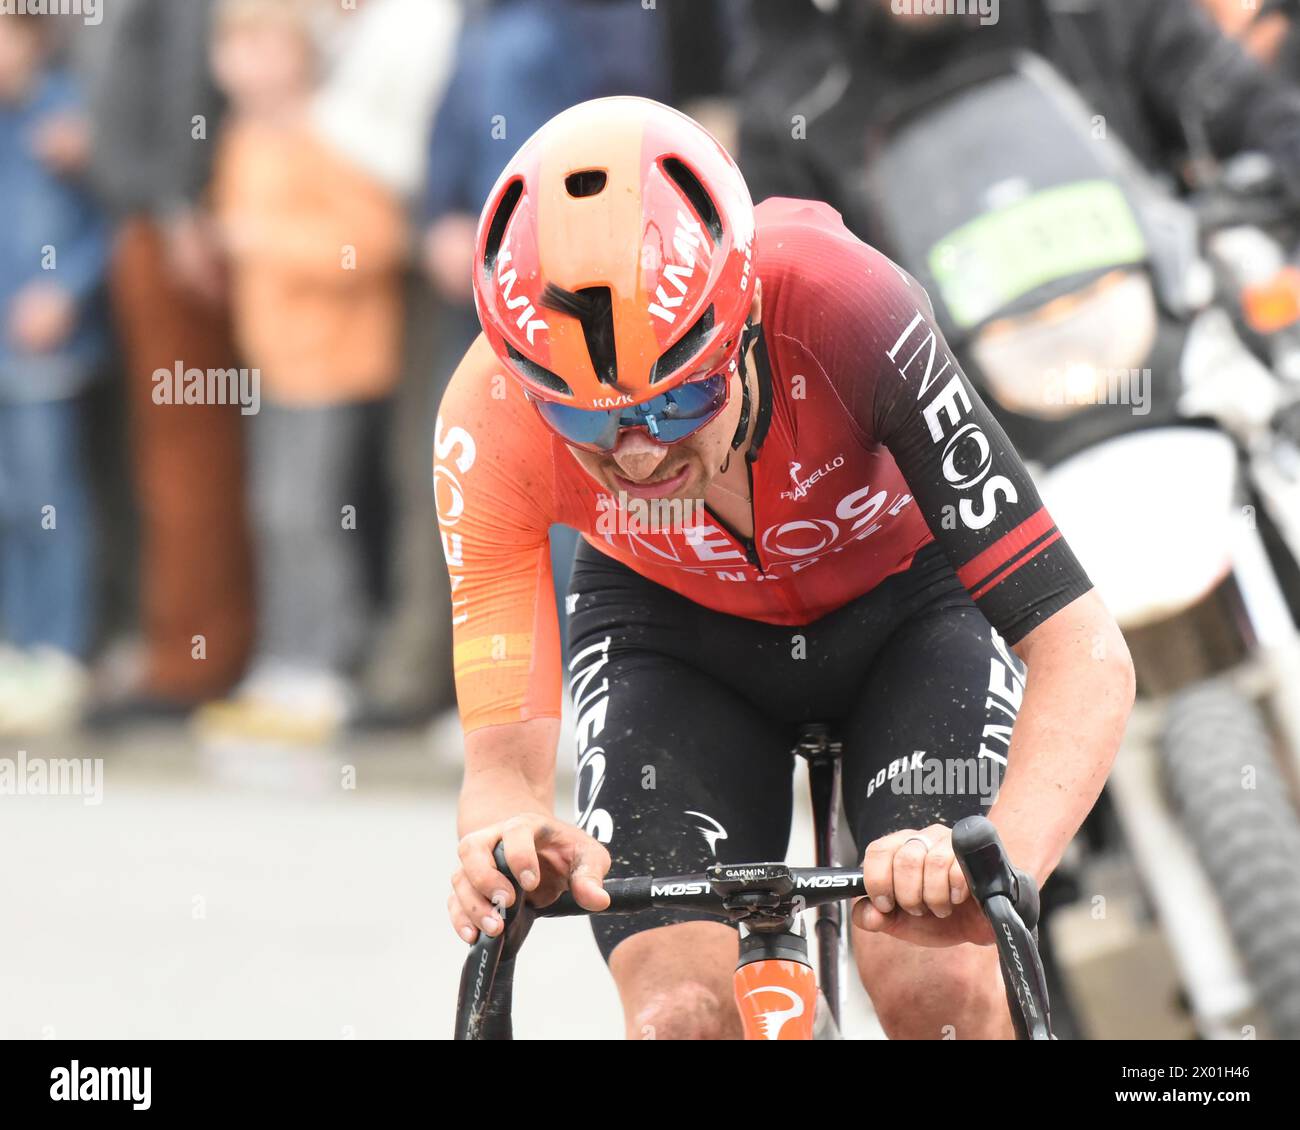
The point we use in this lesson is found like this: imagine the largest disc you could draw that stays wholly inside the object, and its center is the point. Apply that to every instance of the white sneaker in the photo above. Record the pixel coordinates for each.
(41, 692)
(281, 705)
(13, 667)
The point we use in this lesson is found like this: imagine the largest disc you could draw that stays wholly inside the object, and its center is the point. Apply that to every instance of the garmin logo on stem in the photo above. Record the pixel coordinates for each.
(75, 1083)
(987, 10)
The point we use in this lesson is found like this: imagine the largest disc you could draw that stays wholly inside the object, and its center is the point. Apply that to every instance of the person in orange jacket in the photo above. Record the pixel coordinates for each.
(316, 247)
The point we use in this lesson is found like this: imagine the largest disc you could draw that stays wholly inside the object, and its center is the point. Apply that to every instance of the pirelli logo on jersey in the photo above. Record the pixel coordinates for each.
(966, 458)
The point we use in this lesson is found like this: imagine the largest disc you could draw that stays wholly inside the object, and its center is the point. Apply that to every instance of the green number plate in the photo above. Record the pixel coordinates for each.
(998, 257)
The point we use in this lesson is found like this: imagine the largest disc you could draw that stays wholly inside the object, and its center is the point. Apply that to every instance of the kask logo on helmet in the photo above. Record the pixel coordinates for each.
(505, 283)
(686, 240)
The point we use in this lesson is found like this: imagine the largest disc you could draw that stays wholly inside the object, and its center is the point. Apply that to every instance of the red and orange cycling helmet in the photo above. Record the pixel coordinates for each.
(613, 271)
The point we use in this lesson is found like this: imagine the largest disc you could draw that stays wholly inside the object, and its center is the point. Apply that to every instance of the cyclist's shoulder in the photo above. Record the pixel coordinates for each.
(831, 301)
(794, 234)
(475, 368)
(485, 411)
(811, 265)
(794, 212)
(480, 391)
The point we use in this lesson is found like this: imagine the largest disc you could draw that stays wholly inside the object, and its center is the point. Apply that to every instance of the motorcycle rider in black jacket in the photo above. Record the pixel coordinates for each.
(817, 81)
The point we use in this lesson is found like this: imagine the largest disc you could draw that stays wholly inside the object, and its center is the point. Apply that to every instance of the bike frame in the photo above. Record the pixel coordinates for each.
(776, 990)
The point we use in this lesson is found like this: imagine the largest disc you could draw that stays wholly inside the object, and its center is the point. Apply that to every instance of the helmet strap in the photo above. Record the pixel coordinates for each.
(751, 331)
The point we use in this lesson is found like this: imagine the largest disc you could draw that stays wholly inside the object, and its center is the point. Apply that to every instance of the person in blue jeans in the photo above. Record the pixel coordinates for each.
(53, 256)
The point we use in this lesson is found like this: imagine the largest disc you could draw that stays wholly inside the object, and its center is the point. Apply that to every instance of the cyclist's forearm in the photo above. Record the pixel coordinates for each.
(509, 770)
(1077, 700)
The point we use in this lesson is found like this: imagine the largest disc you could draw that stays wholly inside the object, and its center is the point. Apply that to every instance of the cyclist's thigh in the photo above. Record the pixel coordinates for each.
(927, 742)
(675, 771)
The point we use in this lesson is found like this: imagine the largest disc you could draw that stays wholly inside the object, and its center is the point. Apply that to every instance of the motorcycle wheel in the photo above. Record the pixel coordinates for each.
(1235, 807)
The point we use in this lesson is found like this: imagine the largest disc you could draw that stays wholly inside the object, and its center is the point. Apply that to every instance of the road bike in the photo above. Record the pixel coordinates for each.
(776, 990)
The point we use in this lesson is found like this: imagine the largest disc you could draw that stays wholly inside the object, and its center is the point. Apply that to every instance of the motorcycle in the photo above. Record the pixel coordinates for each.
(1142, 350)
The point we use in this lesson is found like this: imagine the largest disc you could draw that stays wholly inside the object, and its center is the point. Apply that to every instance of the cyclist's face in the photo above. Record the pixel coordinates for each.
(646, 469)
(682, 470)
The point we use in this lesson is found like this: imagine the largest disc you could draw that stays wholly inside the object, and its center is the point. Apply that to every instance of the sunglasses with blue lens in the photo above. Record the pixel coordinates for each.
(669, 418)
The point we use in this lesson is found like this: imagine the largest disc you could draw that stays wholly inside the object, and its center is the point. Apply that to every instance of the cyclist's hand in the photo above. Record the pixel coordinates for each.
(548, 857)
(917, 892)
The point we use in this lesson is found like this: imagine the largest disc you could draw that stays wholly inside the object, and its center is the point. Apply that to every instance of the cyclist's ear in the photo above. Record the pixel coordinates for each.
(756, 306)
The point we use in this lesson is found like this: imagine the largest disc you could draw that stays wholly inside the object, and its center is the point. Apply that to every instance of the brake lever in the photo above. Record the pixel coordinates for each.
(989, 872)
(487, 979)
(1010, 900)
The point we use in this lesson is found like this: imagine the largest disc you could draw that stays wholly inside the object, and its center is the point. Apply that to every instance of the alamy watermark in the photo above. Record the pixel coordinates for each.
(626, 515)
(987, 10)
(90, 11)
(918, 775)
(1085, 385)
(53, 776)
(179, 385)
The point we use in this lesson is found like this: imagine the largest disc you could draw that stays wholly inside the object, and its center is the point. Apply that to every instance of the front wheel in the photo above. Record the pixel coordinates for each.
(1234, 806)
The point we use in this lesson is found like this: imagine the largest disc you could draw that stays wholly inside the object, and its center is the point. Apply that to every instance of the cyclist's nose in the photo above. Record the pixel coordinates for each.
(637, 455)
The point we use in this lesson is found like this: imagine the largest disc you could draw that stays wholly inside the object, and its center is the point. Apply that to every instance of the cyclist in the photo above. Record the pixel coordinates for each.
(842, 533)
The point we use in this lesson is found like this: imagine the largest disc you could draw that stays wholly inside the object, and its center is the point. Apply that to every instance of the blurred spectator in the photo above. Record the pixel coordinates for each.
(316, 245)
(518, 64)
(1273, 38)
(703, 41)
(53, 258)
(155, 113)
(818, 84)
(392, 59)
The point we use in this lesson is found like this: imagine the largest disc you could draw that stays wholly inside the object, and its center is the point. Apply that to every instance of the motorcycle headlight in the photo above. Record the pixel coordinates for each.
(1074, 352)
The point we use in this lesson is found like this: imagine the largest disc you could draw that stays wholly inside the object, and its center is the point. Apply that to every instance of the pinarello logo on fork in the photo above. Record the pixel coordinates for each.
(777, 1000)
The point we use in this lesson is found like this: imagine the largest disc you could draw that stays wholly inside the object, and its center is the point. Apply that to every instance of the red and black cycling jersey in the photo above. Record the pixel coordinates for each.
(875, 445)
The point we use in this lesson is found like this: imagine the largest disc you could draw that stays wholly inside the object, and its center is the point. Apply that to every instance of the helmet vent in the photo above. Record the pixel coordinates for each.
(693, 189)
(588, 182)
(500, 218)
(593, 306)
(535, 372)
(684, 348)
